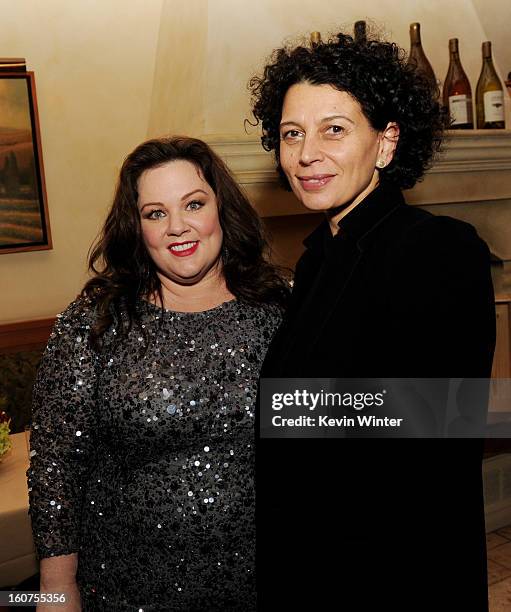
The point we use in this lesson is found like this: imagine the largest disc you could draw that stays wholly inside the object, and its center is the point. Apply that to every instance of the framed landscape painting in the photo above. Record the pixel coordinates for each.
(24, 222)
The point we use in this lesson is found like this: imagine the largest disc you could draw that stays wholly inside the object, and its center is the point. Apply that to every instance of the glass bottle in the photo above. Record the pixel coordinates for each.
(360, 32)
(489, 94)
(457, 93)
(417, 57)
(315, 38)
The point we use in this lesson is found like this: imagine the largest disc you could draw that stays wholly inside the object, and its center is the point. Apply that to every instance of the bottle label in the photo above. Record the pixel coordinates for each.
(460, 109)
(494, 106)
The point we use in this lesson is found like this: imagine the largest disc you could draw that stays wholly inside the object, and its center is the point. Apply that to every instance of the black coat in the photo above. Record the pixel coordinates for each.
(394, 523)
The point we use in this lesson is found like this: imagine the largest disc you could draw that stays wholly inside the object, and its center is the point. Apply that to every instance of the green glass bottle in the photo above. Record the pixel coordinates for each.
(489, 94)
(360, 31)
(417, 58)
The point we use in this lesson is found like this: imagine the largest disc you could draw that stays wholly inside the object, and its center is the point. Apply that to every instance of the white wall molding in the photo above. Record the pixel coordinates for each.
(246, 158)
(475, 151)
(474, 167)
(471, 180)
(464, 151)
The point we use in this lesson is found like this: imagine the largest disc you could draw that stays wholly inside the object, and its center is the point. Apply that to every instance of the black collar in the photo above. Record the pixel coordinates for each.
(373, 209)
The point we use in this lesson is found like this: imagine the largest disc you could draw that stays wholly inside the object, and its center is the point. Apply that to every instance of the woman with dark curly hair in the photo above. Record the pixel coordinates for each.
(382, 290)
(141, 479)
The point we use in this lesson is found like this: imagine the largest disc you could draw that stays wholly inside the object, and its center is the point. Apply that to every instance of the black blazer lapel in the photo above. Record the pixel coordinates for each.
(356, 233)
(323, 276)
(320, 302)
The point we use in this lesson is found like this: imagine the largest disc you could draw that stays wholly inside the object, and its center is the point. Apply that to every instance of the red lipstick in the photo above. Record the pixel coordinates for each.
(183, 249)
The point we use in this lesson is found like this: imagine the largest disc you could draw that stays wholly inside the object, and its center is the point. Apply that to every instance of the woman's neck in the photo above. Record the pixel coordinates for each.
(336, 214)
(209, 292)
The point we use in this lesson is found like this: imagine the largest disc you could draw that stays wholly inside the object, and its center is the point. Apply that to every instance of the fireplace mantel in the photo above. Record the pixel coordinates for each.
(474, 166)
(470, 180)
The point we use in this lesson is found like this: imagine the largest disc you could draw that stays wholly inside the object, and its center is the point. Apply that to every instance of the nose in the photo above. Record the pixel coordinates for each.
(176, 225)
(311, 149)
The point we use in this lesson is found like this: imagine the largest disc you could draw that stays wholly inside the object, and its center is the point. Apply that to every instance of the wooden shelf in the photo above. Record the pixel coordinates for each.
(25, 335)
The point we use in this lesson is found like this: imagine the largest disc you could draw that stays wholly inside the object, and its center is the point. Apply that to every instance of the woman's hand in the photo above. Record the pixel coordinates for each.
(58, 575)
(72, 593)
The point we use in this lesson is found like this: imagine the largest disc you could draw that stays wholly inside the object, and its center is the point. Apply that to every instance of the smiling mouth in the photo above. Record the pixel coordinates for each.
(313, 183)
(183, 249)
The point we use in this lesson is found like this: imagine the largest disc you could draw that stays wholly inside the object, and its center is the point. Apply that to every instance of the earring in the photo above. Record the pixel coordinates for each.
(381, 164)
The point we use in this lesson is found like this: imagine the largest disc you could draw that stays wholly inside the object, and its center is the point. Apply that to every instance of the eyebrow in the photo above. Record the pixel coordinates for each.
(187, 195)
(328, 118)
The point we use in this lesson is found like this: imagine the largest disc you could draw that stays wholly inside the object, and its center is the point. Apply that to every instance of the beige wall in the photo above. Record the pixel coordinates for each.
(495, 17)
(94, 64)
(227, 41)
(112, 72)
(249, 35)
(178, 98)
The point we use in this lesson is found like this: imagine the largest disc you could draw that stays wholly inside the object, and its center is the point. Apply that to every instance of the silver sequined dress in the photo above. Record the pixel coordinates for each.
(142, 457)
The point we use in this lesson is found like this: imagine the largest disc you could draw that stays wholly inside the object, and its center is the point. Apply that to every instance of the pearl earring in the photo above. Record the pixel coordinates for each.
(380, 163)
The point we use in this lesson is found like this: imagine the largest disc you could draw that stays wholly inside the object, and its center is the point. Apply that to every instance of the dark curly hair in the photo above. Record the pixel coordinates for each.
(122, 269)
(374, 73)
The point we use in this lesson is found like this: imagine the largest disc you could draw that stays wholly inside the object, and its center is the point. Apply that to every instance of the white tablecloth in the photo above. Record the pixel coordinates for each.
(17, 556)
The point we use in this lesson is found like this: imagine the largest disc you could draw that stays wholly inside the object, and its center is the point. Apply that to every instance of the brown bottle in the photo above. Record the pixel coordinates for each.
(489, 94)
(457, 94)
(360, 32)
(417, 57)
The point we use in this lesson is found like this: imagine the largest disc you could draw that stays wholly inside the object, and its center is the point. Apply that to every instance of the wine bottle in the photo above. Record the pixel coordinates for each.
(360, 32)
(489, 94)
(457, 94)
(315, 38)
(417, 57)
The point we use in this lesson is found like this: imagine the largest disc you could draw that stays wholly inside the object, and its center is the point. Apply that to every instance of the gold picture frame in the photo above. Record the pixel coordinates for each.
(24, 220)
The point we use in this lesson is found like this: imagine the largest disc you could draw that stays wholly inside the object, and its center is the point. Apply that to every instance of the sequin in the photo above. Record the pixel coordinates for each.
(152, 515)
